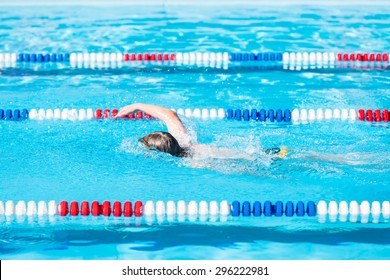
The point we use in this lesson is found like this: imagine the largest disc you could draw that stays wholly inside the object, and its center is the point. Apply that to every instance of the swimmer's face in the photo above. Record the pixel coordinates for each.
(163, 142)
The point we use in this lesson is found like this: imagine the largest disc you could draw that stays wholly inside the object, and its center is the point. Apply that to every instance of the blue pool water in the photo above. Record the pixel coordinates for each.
(100, 160)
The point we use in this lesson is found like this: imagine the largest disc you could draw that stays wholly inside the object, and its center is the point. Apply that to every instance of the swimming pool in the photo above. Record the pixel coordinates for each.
(99, 160)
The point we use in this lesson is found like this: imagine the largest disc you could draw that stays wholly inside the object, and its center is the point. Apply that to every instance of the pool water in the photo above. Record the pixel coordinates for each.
(100, 160)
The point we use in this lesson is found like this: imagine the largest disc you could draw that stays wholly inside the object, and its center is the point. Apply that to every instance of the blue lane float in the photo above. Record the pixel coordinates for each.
(54, 57)
(15, 115)
(256, 57)
(261, 115)
(8, 115)
(246, 208)
(277, 209)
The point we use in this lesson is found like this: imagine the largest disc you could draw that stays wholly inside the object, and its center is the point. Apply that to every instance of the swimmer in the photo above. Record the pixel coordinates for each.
(177, 142)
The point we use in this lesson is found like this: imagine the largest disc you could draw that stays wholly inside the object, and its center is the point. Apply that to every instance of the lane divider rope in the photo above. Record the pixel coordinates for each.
(285, 57)
(262, 115)
(321, 209)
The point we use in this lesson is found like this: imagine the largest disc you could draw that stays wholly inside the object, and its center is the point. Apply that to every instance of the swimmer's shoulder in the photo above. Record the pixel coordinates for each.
(183, 139)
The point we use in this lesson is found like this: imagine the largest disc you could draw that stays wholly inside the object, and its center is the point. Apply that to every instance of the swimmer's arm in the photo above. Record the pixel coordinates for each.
(169, 117)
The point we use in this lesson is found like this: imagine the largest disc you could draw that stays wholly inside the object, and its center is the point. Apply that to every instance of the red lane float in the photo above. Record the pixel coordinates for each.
(104, 209)
(85, 211)
(385, 115)
(117, 209)
(127, 209)
(149, 57)
(138, 115)
(361, 115)
(138, 208)
(369, 115)
(63, 209)
(376, 116)
(106, 113)
(98, 114)
(378, 57)
(95, 208)
(74, 208)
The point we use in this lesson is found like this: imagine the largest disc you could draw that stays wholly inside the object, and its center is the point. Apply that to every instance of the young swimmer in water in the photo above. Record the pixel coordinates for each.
(177, 142)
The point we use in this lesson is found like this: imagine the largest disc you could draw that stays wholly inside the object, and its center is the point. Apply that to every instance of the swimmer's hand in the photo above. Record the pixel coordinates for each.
(283, 151)
(127, 110)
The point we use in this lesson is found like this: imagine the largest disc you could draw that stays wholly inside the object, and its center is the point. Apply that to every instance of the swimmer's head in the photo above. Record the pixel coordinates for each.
(163, 142)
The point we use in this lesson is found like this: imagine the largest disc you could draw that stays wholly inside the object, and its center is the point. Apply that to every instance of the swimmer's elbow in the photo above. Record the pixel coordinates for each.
(173, 115)
(174, 118)
(174, 123)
